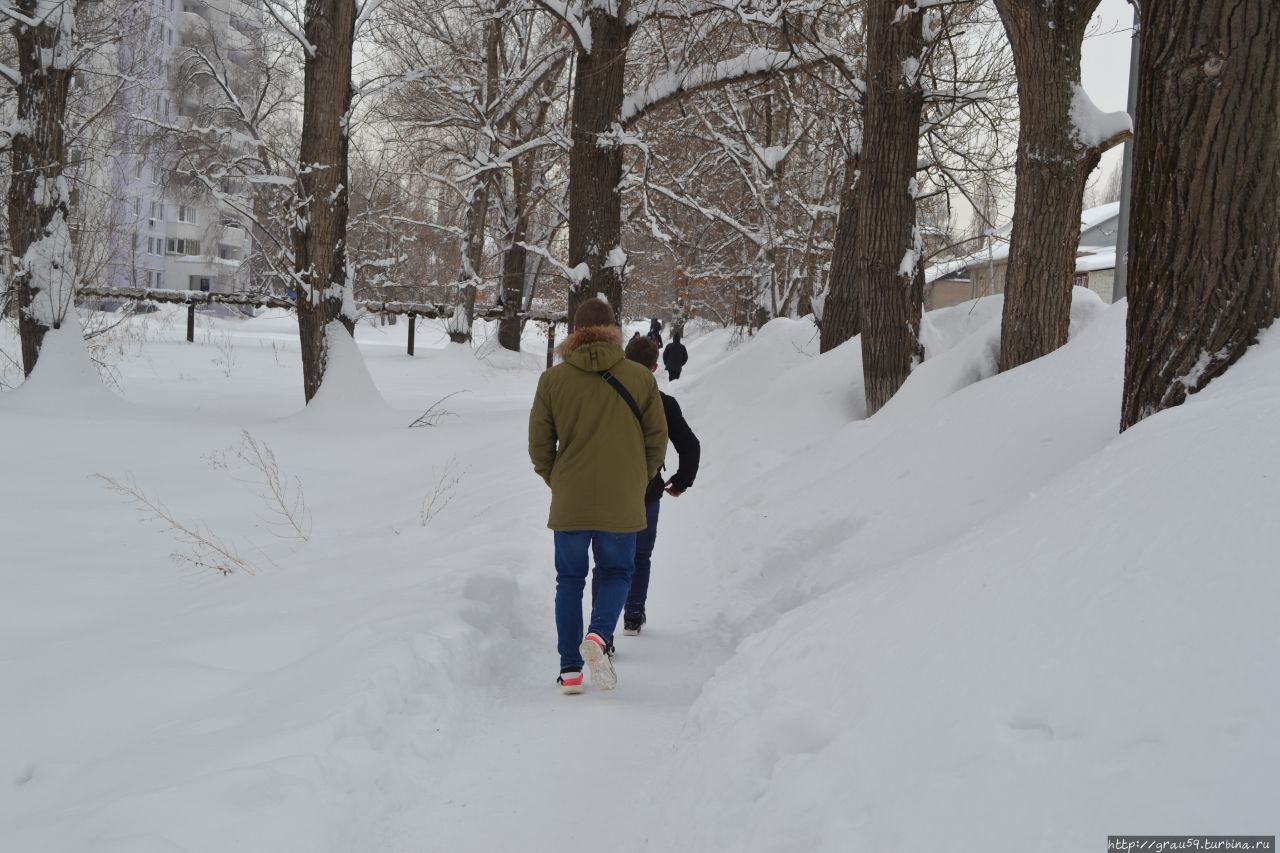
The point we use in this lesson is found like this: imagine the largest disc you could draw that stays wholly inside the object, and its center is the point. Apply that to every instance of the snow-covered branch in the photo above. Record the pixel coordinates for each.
(292, 27)
(567, 12)
(677, 83)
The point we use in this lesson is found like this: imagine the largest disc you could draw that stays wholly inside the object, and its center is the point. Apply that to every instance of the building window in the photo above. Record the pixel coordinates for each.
(137, 208)
(157, 212)
(179, 246)
(187, 213)
(227, 253)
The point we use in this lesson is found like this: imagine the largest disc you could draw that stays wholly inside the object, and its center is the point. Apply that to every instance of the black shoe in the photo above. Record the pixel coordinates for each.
(631, 625)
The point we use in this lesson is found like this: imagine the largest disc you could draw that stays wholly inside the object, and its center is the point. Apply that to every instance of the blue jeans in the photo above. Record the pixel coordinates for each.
(645, 540)
(615, 563)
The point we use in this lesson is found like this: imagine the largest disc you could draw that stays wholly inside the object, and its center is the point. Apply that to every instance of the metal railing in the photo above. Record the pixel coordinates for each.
(412, 310)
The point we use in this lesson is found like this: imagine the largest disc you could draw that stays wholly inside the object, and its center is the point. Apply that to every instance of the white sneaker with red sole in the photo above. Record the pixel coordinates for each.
(594, 652)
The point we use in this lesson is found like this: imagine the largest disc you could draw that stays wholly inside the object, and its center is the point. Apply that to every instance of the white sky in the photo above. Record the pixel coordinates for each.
(1104, 65)
(1104, 69)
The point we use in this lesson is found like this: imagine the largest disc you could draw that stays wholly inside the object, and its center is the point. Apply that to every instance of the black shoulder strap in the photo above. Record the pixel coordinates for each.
(607, 376)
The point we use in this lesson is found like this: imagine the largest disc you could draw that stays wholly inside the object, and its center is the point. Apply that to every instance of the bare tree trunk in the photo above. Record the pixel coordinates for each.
(320, 227)
(44, 269)
(515, 258)
(840, 311)
(478, 210)
(472, 261)
(1052, 169)
(595, 166)
(1204, 257)
(884, 204)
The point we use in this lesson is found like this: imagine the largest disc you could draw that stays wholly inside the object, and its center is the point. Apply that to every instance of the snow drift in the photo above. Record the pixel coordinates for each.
(979, 620)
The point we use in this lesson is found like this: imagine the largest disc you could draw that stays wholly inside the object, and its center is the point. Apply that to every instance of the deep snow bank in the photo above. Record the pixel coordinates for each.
(985, 622)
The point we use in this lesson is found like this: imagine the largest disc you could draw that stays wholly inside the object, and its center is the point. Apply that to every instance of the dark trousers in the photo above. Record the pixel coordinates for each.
(645, 540)
(674, 372)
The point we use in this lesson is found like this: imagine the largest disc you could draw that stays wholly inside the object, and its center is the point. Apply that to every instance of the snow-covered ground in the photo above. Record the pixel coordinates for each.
(980, 620)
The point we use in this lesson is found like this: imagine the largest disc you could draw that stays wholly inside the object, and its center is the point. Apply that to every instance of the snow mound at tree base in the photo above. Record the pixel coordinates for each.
(1008, 628)
(64, 380)
(347, 397)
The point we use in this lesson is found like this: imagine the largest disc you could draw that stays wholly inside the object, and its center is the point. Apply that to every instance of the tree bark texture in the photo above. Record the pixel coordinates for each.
(1204, 254)
(883, 203)
(1052, 168)
(840, 311)
(515, 260)
(37, 202)
(595, 163)
(478, 210)
(320, 227)
(472, 261)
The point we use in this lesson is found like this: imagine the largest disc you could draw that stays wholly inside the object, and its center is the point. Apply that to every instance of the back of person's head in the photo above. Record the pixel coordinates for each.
(643, 351)
(594, 312)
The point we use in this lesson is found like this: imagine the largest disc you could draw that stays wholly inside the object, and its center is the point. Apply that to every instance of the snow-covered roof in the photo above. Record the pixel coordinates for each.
(1097, 215)
(1099, 261)
(997, 253)
(1097, 258)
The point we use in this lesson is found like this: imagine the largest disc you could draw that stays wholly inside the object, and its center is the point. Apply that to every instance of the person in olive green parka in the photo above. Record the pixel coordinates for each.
(598, 457)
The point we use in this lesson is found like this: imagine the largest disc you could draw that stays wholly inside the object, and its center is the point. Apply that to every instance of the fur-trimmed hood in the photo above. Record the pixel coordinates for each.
(597, 347)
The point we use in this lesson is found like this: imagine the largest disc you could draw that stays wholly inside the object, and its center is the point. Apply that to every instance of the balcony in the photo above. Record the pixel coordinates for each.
(233, 237)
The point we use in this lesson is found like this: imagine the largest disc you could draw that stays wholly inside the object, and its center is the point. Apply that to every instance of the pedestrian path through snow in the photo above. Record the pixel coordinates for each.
(542, 771)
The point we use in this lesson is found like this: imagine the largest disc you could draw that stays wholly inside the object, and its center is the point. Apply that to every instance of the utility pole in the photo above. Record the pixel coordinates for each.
(1120, 289)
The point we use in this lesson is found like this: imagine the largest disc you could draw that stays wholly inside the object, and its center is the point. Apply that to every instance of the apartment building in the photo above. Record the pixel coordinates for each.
(173, 231)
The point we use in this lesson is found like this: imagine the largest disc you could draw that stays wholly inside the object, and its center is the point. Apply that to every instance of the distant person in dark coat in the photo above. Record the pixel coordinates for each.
(655, 332)
(643, 352)
(675, 356)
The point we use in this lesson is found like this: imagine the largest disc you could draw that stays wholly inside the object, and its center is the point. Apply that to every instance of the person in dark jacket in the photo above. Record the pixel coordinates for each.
(645, 353)
(675, 356)
(655, 332)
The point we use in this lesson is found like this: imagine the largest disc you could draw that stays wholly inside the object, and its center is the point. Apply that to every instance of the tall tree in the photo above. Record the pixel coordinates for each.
(966, 74)
(888, 244)
(473, 85)
(840, 315)
(39, 237)
(320, 221)
(1060, 140)
(604, 112)
(1204, 255)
